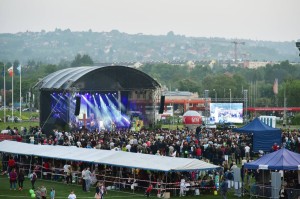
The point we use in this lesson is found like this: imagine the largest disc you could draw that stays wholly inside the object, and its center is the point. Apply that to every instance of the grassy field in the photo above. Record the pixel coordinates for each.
(25, 116)
(63, 190)
(26, 122)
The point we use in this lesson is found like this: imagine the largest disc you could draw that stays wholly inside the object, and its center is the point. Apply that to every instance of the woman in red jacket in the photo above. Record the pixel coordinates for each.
(13, 179)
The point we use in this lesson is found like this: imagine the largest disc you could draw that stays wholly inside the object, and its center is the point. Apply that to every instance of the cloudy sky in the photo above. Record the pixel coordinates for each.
(275, 20)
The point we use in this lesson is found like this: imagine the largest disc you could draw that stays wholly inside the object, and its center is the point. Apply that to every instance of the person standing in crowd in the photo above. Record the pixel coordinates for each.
(247, 152)
(43, 192)
(33, 178)
(237, 154)
(13, 179)
(52, 193)
(148, 190)
(224, 188)
(21, 179)
(98, 191)
(72, 195)
(11, 164)
(66, 170)
(83, 179)
(102, 190)
(87, 179)
(38, 193)
(69, 175)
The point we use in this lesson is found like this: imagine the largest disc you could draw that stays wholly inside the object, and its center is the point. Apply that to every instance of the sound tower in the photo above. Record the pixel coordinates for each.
(77, 105)
(162, 104)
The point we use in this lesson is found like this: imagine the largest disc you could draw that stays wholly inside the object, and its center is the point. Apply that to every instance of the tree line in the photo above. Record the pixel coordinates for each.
(219, 80)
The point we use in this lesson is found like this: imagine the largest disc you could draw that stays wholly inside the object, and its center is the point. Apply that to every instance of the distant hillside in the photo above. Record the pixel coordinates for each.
(103, 47)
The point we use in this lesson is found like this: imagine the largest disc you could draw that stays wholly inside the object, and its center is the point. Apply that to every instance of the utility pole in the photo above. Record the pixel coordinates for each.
(284, 104)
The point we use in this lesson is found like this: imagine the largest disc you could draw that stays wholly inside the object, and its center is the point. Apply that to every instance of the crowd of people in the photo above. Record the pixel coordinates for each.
(223, 148)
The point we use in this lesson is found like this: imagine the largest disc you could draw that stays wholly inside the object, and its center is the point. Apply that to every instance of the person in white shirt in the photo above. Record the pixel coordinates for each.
(87, 177)
(247, 152)
(72, 195)
(66, 170)
(83, 179)
(128, 147)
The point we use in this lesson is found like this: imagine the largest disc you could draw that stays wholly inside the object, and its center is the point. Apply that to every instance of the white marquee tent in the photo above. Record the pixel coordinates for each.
(114, 158)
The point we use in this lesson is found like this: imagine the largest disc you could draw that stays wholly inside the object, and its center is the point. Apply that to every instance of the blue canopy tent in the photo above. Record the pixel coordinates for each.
(264, 136)
(282, 159)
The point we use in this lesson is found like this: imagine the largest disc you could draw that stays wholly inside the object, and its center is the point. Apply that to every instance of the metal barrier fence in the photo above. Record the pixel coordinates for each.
(293, 193)
(265, 191)
(260, 190)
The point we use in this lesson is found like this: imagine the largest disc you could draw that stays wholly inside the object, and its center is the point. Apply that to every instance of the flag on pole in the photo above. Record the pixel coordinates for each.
(11, 71)
(19, 69)
(275, 86)
(4, 94)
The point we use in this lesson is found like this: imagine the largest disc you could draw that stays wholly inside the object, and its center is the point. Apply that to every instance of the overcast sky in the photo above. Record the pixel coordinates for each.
(275, 20)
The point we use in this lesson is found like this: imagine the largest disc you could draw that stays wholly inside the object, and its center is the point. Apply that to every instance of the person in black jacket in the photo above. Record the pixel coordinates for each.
(283, 193)
(224, 188)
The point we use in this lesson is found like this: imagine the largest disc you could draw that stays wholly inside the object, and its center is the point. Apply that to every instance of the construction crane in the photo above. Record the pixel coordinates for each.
(236, 43)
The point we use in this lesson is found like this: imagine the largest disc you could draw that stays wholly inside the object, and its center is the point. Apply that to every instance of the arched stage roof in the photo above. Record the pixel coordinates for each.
(98, 78)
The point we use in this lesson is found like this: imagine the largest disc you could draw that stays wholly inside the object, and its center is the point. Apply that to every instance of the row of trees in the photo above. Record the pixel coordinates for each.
(217, 79)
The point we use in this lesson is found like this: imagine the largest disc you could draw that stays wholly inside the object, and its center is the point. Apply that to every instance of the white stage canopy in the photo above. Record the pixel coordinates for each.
(106, 157)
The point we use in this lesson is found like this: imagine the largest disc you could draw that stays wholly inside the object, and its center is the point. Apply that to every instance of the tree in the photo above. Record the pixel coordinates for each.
(189, 85)
(84, 60)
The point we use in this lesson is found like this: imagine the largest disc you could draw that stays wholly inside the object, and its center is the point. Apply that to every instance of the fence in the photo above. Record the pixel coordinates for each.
(265, 191)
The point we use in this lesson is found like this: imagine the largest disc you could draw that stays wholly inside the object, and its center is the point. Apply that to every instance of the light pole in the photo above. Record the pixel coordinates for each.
(206, 94)
(230, 98)
(246, 104)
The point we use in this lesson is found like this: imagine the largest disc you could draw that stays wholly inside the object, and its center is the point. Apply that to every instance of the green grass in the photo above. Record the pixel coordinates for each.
(25, 120)
(63, 190)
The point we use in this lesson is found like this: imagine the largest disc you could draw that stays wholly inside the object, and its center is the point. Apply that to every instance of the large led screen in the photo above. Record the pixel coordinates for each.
(226, 113)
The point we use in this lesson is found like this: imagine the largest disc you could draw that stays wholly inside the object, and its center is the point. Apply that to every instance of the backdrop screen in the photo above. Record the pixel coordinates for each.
(226, 113)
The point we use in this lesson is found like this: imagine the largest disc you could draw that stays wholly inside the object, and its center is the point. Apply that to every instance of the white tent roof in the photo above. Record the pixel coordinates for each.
(115, 158)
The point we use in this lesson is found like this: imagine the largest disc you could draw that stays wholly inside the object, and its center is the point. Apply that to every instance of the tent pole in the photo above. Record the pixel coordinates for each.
(166, 183)
(42, 169)
(30, 165)
(263, 172)
(120, 175)
(104, 174)
(133, 179)
(53, 166)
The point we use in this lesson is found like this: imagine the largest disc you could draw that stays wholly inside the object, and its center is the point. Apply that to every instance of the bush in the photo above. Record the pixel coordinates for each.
(296, 119)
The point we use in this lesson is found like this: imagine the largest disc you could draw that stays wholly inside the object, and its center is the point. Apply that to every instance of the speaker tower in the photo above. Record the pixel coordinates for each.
(77, 105)
(162, 104)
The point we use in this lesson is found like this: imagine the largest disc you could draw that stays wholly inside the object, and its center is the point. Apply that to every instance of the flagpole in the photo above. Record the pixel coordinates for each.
(12, 93)
(4, 95)
(20, 91)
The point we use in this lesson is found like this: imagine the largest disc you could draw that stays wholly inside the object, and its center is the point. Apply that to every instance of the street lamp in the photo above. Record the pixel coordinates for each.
(230, 98)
